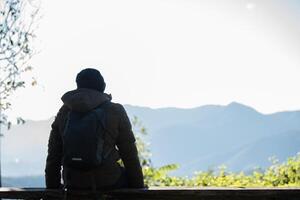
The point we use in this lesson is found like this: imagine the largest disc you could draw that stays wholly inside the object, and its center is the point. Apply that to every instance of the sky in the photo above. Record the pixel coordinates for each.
(168, 53)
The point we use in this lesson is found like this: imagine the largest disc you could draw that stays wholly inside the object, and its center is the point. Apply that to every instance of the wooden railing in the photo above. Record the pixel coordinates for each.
(158, 193)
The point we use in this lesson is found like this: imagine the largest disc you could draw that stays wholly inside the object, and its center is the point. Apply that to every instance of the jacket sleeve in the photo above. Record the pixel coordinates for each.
(54, 157)
(128, 152)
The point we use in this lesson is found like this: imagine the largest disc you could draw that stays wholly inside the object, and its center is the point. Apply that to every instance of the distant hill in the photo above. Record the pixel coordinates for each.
(256, 154)
(24, 181)
(251, 156)
(197, 138)
(207, 136)
(24, 148)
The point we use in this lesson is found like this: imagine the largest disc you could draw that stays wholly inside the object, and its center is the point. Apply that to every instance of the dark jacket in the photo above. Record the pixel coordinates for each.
(119, 137)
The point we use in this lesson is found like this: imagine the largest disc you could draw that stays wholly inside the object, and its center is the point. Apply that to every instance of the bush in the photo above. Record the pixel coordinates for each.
(286, 174)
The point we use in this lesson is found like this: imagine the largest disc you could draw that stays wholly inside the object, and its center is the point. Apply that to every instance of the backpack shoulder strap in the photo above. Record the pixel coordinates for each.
(100, 109)
(99, 112)
(104, 105)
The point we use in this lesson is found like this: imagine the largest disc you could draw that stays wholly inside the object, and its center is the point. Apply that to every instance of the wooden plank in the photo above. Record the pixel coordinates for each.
(29, 193)
(161, 193)
(210, 193)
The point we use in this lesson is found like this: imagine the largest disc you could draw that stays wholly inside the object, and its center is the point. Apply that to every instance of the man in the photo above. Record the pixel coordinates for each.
(119, 141)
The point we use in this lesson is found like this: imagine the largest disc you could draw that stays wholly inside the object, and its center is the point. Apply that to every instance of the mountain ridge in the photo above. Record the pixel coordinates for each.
(211, 134)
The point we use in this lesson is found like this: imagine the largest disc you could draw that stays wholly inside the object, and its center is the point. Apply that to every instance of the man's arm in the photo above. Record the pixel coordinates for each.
(128, 152)
(54, 158)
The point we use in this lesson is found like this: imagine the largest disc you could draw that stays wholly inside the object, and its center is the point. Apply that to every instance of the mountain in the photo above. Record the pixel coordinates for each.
(208, 136)
(282, 145)
(24, 148)
(23, 181)
(251, 156)
(196, 139)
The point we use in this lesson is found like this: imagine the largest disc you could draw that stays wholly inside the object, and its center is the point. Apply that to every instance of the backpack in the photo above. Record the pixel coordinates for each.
(83, 139)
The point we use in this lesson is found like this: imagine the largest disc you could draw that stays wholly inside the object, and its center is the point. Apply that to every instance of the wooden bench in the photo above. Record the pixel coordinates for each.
(160, 193)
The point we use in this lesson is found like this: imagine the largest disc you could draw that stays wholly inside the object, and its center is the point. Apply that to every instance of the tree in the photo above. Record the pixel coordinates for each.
(286, 174)
(16, 37)
(143, 147)
(152, 176)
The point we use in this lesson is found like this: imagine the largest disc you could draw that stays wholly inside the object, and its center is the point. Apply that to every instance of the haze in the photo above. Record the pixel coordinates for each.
(168, 53)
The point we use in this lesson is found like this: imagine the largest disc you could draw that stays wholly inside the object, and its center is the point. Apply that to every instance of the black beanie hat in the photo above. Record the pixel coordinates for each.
(90, 78)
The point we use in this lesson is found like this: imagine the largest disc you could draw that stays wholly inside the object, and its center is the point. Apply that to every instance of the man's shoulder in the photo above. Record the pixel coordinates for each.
(116, 107)
(62, 112)
(64, 109)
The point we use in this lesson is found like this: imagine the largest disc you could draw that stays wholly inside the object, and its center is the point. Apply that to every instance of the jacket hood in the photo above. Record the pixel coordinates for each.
(83, 99)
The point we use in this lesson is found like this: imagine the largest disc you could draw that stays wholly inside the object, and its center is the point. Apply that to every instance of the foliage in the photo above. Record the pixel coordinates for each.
(143, 148)
(16, 36)
(286, 174)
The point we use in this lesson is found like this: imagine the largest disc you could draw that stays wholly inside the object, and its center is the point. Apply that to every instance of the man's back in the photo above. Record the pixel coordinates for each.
(118, 134)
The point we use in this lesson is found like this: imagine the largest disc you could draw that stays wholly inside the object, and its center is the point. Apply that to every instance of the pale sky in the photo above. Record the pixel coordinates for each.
(169, 53)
